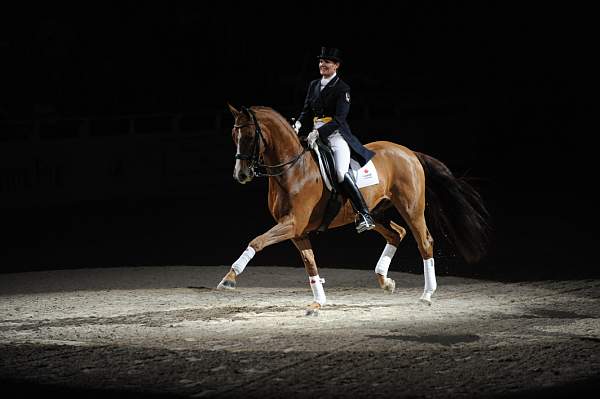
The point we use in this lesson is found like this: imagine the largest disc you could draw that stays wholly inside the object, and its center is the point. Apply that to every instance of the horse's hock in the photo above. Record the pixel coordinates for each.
(167, 330)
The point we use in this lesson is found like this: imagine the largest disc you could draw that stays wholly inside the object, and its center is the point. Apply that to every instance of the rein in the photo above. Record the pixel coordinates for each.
(258, 168)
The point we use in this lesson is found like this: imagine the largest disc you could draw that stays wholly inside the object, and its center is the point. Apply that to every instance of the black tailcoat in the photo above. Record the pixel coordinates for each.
(332, 101)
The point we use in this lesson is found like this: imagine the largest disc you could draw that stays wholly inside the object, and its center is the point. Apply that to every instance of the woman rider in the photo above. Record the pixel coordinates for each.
(324, 114)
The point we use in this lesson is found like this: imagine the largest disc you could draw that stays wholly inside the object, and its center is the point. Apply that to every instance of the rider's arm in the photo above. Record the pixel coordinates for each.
(305, 117)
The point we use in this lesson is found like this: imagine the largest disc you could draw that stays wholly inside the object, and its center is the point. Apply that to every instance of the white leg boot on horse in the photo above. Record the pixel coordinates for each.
(382, 267)
(430, 282)
(228, 282)
(393, 238)
(316, 283)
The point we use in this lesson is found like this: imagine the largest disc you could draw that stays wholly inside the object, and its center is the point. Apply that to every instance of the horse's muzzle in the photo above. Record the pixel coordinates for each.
(243, 176)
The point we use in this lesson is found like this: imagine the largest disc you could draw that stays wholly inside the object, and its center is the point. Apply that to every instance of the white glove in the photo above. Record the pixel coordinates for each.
(297, 126)
(312, 138)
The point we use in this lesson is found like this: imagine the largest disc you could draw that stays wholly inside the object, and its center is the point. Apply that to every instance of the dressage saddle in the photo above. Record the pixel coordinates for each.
(335, 201)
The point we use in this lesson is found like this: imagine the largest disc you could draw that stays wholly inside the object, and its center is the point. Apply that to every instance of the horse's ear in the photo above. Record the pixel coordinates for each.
(234, 111)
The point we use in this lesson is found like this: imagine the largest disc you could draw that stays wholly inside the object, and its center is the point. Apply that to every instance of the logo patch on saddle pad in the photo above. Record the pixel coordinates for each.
(365, 175)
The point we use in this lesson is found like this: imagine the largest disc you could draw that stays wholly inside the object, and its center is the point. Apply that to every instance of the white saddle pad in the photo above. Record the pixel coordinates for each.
(363, 175)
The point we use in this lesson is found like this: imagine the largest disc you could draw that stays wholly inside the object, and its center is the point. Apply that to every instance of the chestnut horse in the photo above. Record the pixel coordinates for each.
(267, 145)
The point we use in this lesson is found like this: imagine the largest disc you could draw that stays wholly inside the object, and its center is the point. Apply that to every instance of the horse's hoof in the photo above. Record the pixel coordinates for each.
(389, 285)
(313, 309)
(312, 312)
(426, 298)
(226, 285)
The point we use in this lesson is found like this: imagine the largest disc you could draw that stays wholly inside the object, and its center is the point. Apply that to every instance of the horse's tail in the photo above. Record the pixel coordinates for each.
(456, 209)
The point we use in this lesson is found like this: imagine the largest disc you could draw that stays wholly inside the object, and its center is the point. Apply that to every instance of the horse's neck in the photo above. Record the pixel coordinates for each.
(284, 147)
(283, 144)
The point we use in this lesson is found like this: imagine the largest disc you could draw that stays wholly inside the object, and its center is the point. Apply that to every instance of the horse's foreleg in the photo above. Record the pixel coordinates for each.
(280, 232)
(316, 282)
(393, 239)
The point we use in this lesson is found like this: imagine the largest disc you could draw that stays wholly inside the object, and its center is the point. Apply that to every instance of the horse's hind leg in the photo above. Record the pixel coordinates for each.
(415, 218)
(425, 244)
(393, 239)
(316, 282)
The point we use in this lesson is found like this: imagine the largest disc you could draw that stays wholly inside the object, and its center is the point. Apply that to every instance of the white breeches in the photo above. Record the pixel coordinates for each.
(341, 154)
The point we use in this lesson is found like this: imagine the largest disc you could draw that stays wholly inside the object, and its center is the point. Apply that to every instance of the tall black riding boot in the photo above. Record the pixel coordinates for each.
(365, 221)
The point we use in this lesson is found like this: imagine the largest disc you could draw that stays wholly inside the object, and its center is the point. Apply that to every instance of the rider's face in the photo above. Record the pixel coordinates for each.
(327, 67)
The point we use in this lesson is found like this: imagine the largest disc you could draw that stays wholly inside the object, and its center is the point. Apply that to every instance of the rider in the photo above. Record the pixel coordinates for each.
(324, 114)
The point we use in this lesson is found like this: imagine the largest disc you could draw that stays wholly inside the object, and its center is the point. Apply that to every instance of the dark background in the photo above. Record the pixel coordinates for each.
(114, 132)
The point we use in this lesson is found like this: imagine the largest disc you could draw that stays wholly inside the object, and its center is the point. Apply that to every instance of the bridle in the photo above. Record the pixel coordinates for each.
(258, 168)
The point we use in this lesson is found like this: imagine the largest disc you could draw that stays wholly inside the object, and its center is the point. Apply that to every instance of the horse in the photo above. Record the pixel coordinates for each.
(267, 145)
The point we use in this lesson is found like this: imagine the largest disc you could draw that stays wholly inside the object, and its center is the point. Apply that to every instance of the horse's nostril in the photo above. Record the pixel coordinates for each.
(242, 176)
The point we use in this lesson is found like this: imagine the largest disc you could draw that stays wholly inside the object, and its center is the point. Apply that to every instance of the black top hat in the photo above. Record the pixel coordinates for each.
(332, 54)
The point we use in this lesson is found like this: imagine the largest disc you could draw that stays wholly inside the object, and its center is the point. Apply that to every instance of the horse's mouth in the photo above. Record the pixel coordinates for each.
(246, 179)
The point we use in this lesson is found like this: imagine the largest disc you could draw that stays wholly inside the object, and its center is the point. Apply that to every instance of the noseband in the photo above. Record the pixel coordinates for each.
(258, 168)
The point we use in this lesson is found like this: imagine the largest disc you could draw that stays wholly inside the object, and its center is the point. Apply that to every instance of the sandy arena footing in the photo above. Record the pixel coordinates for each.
(168, 331)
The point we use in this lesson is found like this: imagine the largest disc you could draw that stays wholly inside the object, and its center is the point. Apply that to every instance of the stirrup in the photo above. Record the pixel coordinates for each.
(365, 224)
